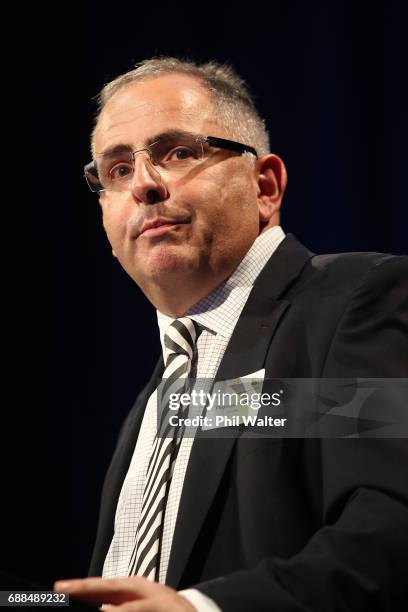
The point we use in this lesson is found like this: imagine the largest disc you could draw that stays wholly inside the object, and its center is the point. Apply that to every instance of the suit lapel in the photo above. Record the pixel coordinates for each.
(246, 353)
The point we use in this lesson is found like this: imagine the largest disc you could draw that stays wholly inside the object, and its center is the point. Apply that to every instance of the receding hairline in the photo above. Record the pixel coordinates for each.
(144, 78)
(233, 103)
(155, 77)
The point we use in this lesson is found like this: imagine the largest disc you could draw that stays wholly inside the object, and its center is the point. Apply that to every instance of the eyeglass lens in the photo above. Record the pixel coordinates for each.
(114, 171)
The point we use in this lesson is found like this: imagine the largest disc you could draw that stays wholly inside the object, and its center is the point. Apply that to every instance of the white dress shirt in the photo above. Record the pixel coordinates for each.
(217, 315)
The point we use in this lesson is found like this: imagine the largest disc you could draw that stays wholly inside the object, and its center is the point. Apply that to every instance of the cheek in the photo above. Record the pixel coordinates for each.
(228, 199)
(114, 223)
(227, 223)
(239, 205)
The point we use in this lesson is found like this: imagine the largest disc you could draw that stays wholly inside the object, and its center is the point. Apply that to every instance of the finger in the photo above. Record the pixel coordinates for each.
(136, 606)
(108, 590)
(143, 606)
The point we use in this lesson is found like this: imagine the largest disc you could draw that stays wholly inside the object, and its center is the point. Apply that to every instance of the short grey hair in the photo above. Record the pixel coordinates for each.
(233, 103)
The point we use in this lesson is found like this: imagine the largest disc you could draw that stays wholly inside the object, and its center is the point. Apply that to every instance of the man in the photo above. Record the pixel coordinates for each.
(190, 196)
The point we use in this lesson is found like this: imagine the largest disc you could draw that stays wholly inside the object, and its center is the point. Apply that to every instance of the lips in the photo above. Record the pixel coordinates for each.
(159, 222)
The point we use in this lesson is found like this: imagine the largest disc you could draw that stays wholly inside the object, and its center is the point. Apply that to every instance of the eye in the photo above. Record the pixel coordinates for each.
(120, 171)
(181, 153)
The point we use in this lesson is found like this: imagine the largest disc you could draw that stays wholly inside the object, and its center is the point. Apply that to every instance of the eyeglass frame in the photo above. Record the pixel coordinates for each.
(212, 141)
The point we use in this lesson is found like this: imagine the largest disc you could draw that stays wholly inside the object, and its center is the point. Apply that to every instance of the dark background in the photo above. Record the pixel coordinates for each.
(330, 81)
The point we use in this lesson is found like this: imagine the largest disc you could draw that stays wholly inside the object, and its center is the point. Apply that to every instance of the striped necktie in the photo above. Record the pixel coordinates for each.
(179, 342)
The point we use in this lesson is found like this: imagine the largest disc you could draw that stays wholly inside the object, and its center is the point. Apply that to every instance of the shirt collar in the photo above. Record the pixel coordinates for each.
(219, 310)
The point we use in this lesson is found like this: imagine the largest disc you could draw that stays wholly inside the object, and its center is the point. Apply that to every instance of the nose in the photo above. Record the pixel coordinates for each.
(147, 184)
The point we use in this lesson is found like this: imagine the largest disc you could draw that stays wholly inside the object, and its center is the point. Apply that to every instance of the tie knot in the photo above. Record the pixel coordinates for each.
(180, 338)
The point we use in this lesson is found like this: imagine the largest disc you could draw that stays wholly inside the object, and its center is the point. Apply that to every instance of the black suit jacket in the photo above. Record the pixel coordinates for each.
(294, 524)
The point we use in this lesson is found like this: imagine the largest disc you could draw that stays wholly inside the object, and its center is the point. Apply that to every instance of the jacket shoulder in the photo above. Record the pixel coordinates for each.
(345, 272)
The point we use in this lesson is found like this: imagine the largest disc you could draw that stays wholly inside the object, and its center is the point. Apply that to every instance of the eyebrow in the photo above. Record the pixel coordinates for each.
(165, 136)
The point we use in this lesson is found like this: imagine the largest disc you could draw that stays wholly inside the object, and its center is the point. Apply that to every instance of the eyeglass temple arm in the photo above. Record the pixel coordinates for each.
(231, 145)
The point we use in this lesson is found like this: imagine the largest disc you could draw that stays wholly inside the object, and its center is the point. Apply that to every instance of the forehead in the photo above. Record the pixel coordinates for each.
(139, 110)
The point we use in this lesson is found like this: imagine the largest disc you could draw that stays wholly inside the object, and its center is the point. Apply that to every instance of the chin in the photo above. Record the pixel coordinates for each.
(166, 262)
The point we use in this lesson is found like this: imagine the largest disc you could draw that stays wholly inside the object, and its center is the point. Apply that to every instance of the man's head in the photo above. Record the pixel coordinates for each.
(211, 205)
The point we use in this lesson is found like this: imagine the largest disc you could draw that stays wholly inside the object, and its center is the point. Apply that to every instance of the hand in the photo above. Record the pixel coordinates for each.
(133, 594)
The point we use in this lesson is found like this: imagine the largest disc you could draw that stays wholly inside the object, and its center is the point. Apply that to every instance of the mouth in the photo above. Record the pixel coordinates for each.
(159, 226)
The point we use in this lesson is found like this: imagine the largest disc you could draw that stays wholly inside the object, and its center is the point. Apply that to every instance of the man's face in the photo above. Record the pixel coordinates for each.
(212, 213)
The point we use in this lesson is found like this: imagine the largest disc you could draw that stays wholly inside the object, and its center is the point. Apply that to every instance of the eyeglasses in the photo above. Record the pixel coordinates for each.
(177, 153)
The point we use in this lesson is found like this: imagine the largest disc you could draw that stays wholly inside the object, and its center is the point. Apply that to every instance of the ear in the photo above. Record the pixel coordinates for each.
(272, 179)
(113, 253)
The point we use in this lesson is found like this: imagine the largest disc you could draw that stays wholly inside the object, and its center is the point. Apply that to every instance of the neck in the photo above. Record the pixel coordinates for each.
(176, 300)
(178, 295)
